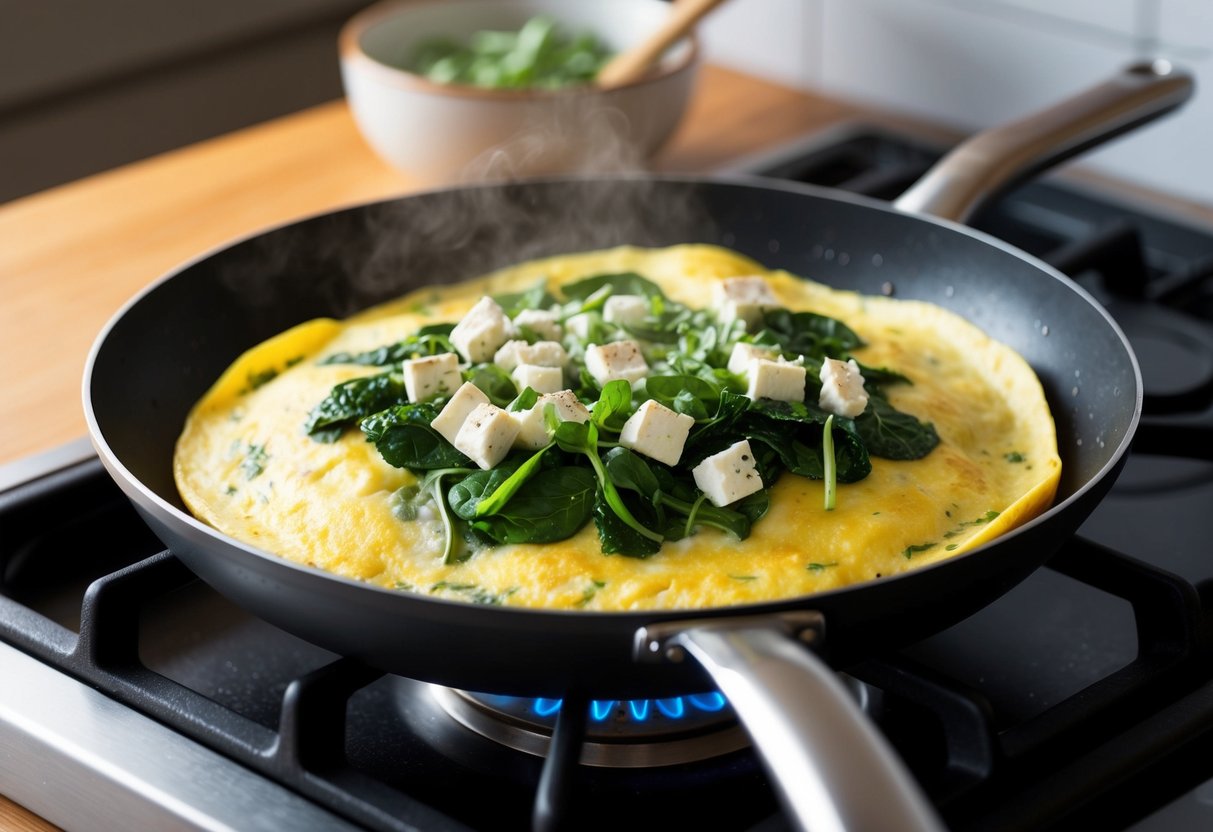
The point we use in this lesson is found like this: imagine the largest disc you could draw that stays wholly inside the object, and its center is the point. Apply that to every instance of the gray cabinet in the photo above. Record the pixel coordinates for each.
(87, 85)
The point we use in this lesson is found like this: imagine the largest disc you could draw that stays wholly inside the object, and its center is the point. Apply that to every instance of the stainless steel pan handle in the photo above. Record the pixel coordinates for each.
(992, 161)
(831, 767)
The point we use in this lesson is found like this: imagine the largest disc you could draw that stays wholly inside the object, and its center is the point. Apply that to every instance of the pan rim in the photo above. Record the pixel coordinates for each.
(128, 482)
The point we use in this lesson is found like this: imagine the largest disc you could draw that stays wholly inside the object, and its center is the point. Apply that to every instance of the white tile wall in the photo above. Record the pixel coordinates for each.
(776, 39)
(970, 63)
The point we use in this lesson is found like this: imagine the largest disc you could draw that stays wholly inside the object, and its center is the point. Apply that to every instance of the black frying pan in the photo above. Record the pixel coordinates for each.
(161, 352)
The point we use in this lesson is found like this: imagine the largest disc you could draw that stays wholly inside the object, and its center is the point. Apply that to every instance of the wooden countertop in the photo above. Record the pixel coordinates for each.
(71, 256)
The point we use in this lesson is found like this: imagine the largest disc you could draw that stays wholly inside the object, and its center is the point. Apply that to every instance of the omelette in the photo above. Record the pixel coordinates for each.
(247, 463)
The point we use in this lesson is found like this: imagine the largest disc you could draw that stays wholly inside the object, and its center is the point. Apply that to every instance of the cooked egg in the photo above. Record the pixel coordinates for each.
(245, 465)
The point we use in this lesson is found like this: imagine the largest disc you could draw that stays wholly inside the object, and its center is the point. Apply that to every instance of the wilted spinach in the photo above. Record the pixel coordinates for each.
(890, 434)
(353, 400)
(405, 439)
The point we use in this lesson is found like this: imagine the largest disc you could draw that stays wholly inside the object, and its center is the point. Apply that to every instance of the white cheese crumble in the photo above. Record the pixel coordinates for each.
(625, 310)
(456, 411)
(580, 324)
(778, 380)
(532, 425)
(482, 331)
(728, 476)
(657, 432)
(616, 360)
(842, 390)
(743, 354)
(540, 379)
(487, 435)
(744, 298)
(540, 321)
(541, 353)
(434, 375)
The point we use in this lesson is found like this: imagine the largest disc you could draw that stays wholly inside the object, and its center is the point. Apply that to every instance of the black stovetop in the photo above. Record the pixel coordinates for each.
(1083, 697)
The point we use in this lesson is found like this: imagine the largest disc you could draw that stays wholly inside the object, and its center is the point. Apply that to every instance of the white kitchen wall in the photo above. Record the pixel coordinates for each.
(970, 63)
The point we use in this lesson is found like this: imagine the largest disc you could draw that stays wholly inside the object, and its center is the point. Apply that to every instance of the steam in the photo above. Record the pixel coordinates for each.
(338, 264)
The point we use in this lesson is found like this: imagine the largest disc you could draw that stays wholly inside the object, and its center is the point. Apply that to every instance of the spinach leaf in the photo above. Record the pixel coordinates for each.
(623, 283)
(878, 376)
(494, 382)
(404, 438)
(890, 434)
(709, 437)
(432, 486)
(807, 333)
(668, 496)
(617, 536)
(525, 400)
(353, 400)
(537, 297)
(429, 340)
(556, 503)
(501, 488)
(627, 470)
(691, 395)
(793, 430)
(579, 438)
(613, 405)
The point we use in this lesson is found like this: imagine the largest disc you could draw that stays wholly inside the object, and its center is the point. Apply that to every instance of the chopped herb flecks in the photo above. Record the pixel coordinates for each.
(254, 462)
(980, 521)
(911, 551)
(1014, 456)
(473, 592)
(821, 567)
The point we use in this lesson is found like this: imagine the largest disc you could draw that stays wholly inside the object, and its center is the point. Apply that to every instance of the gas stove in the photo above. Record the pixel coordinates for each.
(132, 695)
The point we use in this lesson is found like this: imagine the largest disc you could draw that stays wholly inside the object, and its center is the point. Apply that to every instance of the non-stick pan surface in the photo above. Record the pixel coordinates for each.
(162, 352)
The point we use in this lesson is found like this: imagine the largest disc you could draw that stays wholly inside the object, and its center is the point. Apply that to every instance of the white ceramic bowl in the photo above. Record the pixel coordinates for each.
(440, 133)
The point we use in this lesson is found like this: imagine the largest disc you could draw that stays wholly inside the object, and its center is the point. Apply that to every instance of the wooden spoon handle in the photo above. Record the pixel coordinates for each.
(634, 63)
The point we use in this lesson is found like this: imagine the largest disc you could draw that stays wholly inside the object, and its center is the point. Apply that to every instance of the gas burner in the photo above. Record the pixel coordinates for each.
(619, 733)
(1175, 353)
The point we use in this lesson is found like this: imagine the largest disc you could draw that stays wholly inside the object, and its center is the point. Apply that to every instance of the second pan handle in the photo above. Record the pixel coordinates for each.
(983, 166)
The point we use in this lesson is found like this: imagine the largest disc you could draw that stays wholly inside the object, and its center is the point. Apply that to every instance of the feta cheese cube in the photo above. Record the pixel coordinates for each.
(539, 379)
(744, 298)
(743, 354)
(456, 411)
(581, 324)
(434, 375)
(483, 329)
(543, 323)
(532, 425)
(657, 432)
(625, 309)
(616, 360)
(778, 380)
(544, 354)
(487, 435)
(541, 354)
(507, 356)
(729, 475)
(842, 390)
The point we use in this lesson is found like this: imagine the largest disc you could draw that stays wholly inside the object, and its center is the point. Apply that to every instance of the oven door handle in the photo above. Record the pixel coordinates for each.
(831, 767)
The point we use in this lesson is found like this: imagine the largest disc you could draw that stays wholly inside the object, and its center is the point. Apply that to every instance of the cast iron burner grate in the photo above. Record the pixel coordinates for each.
(1082, 699)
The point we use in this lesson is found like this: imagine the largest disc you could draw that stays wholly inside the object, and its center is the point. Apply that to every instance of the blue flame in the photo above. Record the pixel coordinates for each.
(547, 707)
(600, 709)
(673, 708)
(640, 710)
(710, 702)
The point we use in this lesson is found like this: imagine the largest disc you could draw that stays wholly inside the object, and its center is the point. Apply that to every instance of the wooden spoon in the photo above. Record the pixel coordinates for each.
(632, 64)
